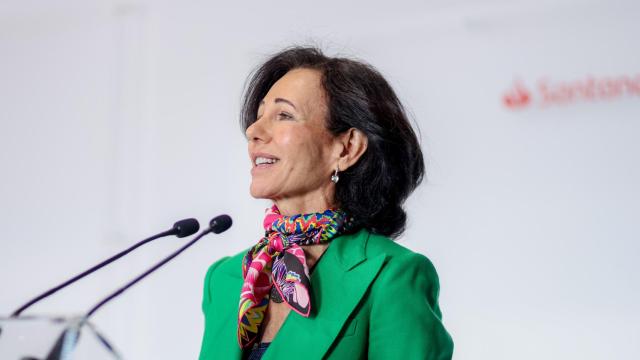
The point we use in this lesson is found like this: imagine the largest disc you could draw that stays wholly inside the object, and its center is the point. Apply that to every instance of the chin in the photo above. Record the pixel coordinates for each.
(258, 192)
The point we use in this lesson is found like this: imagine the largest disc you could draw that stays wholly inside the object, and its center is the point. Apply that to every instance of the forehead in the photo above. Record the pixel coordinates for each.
(300, 86)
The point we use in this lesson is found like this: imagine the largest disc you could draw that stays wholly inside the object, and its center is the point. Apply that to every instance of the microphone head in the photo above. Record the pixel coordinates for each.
(186, 227)
(220, 223)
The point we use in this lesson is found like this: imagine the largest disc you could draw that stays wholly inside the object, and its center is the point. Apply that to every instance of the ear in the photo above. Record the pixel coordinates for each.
(353, 144)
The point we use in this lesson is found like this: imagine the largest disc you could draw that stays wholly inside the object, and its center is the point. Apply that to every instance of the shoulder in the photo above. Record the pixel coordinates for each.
(223, 272)
(403, 271)
(396, 255)
(399, 267)
(231, 265)
(377, 244)
(403, 300)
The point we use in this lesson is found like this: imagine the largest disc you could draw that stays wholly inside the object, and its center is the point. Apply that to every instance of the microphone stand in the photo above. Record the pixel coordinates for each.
(144, 274)
(69, 337)
(181, 228)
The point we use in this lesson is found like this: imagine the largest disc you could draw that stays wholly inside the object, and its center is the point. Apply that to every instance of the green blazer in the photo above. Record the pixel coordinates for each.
(371, 298)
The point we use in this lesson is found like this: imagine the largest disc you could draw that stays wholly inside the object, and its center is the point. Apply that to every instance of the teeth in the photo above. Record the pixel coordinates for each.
(264, 160)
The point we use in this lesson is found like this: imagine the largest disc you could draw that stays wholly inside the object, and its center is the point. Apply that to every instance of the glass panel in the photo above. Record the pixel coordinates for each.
(50, 338)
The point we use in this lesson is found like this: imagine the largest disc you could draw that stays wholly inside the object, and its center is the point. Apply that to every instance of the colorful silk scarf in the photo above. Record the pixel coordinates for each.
(278, 260)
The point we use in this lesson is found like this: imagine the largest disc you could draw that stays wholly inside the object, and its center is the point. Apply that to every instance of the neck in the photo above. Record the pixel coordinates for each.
(313, 252)
(318, 201)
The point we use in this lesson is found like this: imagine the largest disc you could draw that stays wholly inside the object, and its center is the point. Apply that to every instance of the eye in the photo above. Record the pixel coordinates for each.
(284, 116)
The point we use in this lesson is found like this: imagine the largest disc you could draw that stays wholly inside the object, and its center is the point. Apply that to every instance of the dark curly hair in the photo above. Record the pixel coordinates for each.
(374, 189)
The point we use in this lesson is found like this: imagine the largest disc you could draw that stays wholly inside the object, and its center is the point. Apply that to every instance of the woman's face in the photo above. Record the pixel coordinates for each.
(292, 153)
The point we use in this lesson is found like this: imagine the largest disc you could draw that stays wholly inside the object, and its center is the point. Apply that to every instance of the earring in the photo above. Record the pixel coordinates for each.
(335, 176)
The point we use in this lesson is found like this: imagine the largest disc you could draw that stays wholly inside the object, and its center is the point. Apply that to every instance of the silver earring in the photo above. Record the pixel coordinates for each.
(335, 176)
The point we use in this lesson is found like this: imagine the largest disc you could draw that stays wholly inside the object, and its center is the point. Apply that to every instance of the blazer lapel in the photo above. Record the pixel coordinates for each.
(338, 283)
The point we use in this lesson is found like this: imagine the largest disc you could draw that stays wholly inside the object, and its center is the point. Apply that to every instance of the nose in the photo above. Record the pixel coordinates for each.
(257, 131)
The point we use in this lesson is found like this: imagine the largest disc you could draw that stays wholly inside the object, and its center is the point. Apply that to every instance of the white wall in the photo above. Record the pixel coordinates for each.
(119, 118)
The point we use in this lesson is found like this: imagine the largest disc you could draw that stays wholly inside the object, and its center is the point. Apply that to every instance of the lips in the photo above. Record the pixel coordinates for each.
(263, 160)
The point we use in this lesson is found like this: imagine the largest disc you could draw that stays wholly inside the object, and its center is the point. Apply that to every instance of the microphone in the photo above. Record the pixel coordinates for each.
(220, 224)
(217, 225)
(180, 229)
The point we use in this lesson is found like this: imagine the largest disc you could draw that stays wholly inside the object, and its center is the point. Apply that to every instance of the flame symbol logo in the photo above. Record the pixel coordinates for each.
(518, 97)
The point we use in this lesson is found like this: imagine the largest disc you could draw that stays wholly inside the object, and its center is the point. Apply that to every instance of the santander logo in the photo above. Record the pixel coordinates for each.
(518, 97)
(548, 92)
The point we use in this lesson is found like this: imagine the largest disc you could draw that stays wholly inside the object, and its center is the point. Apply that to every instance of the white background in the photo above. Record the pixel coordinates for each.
(119, 118)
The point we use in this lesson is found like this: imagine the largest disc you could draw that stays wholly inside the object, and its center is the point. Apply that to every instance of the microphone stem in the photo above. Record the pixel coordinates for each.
(89, 271)
(144, 274)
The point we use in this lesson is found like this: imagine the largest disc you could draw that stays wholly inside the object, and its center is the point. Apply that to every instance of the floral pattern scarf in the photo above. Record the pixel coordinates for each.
(278, 260)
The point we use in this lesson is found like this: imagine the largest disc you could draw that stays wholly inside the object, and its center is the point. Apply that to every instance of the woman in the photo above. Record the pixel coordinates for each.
(331, 146)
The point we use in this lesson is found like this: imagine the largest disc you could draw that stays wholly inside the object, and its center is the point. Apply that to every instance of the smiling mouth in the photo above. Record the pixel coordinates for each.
(262, 161)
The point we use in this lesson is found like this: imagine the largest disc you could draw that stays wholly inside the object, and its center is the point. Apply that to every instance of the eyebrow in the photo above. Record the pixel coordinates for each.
(281, 100)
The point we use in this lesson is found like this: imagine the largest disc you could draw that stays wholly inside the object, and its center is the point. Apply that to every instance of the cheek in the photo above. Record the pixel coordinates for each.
(287, 138)
(298, 144)
(305, 149)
